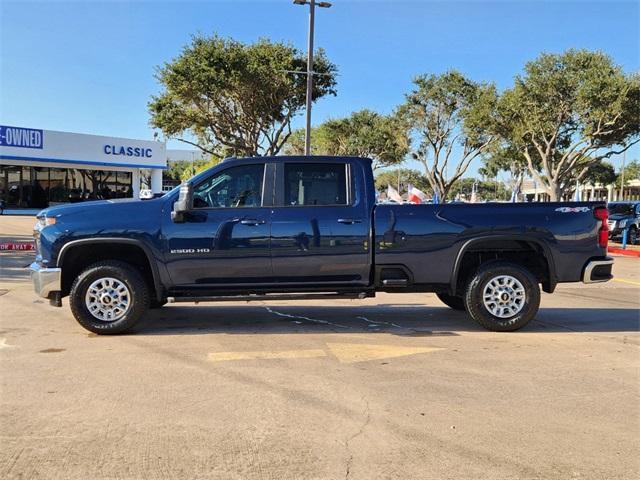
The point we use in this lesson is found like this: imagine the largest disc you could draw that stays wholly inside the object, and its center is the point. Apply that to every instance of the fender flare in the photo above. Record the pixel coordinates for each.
(535, 241)
(115, 240)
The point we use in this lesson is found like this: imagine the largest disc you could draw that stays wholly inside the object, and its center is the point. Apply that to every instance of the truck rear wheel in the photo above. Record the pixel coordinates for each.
(109, 297)
(452, 301)
(502, 296)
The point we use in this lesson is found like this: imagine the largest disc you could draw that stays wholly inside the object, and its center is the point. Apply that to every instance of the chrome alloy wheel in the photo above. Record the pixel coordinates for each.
(504, 296)
(108, 299)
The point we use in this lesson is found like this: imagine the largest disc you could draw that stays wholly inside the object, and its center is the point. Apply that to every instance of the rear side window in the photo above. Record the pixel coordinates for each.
(315, 184)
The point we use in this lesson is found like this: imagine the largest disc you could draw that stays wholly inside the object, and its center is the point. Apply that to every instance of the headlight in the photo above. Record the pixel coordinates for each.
(622, 224)
(44, 221)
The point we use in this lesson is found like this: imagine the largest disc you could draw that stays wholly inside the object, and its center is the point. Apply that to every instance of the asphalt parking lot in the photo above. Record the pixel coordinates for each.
(397, 386)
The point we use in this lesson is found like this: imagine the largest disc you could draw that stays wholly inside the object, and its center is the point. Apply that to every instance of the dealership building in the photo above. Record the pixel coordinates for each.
(39, 168)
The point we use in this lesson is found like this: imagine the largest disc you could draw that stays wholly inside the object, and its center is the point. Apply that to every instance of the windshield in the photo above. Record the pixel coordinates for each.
(620, 209)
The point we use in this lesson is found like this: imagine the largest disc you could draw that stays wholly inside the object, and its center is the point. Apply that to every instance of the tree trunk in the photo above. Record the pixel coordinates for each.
(445, 192)
(555, 192)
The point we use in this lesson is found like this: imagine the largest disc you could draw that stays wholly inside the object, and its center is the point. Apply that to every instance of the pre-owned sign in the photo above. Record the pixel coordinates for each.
(21, 137)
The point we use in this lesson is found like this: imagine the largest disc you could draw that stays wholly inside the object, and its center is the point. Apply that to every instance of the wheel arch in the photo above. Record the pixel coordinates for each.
(95, 249)
(477, 245)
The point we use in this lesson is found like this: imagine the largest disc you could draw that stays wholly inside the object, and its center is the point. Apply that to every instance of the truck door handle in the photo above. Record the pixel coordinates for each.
(349, 221)
(252, 222)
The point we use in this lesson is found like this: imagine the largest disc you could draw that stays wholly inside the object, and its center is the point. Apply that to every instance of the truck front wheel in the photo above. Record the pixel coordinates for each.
(109, 297)
(502, 296)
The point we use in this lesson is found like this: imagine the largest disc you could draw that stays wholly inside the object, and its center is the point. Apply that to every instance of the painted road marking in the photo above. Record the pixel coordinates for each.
(359, 352)
(265, 355)
(298, 317)
(344, 352)
(4, 344)
(624, 280)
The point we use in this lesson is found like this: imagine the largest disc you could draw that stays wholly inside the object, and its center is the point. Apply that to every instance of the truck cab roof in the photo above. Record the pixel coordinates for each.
(297, 158)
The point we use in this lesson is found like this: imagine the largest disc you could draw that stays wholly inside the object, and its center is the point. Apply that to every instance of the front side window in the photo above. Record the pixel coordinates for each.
(315, 184)
(233, 187)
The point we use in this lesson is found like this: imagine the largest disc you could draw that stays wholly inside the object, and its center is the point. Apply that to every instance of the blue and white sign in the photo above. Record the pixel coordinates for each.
(21, 137)
(55, 148)
(128, 151)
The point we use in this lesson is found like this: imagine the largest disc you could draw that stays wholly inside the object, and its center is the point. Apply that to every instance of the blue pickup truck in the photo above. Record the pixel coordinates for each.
(309, 227)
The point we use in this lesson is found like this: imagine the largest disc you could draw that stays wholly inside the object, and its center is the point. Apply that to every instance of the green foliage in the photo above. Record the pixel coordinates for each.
(565, 113)
(183, 170)
(365, 134)
(449, 117)
(502, 158)
(176, 169)
(486, 190)
(234, 98)
(631, 172)
(295, 143)
(406, 176)
(600, 173)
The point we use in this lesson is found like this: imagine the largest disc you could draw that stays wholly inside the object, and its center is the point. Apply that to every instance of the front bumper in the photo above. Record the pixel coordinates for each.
(45, 280)
(598, 271)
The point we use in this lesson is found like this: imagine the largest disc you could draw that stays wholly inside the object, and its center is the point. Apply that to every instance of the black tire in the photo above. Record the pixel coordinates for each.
(632, 236)
(138, 297)
(477, 309)
(452, 301)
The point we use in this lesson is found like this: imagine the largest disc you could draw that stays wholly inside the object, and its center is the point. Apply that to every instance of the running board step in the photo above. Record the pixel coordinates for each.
(395, 282)
(271, 297)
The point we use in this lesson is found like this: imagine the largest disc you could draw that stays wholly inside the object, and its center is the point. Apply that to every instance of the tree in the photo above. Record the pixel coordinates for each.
(199, 166)
(230, 98)
(447, 117)
(600, 173)
(296, 142)
(631, 172)
(486, 189)
(566, 113)
(182, 170)
(364, 134)
(406, 176)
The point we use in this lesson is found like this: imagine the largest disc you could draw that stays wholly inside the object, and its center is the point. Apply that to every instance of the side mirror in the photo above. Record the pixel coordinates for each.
(183, 204)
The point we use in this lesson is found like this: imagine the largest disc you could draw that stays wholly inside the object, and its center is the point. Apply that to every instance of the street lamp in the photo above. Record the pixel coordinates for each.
(312, 4)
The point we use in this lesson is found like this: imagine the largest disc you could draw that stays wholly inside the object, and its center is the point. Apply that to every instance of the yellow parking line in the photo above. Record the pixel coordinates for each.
(227, 356)
(624, 280)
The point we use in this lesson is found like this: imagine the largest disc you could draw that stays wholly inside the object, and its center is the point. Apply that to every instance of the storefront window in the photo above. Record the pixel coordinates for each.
(39, 187)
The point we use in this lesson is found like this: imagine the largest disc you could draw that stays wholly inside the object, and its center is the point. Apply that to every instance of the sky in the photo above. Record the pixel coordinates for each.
(88, 66)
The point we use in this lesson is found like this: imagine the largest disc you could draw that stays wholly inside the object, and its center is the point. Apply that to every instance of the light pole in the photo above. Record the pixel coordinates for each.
(624, 157)
(312, 4)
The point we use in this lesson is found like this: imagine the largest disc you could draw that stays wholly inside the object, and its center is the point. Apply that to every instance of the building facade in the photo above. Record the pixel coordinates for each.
(532, 192)
(39, 168)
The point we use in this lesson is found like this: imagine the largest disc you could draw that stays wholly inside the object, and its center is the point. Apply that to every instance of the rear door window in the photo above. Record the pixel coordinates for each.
(307, 184)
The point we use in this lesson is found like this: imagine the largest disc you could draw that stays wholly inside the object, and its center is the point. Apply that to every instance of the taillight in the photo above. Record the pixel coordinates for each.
(602, 214)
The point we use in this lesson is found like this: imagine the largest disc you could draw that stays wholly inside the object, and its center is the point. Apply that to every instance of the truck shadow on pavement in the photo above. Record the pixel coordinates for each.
(404, 320)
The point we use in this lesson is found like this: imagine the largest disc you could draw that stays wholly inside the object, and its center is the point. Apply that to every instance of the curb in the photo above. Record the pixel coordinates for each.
(627, 253)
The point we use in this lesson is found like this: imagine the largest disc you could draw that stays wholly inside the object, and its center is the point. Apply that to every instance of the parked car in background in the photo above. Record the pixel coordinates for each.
(624, 215)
